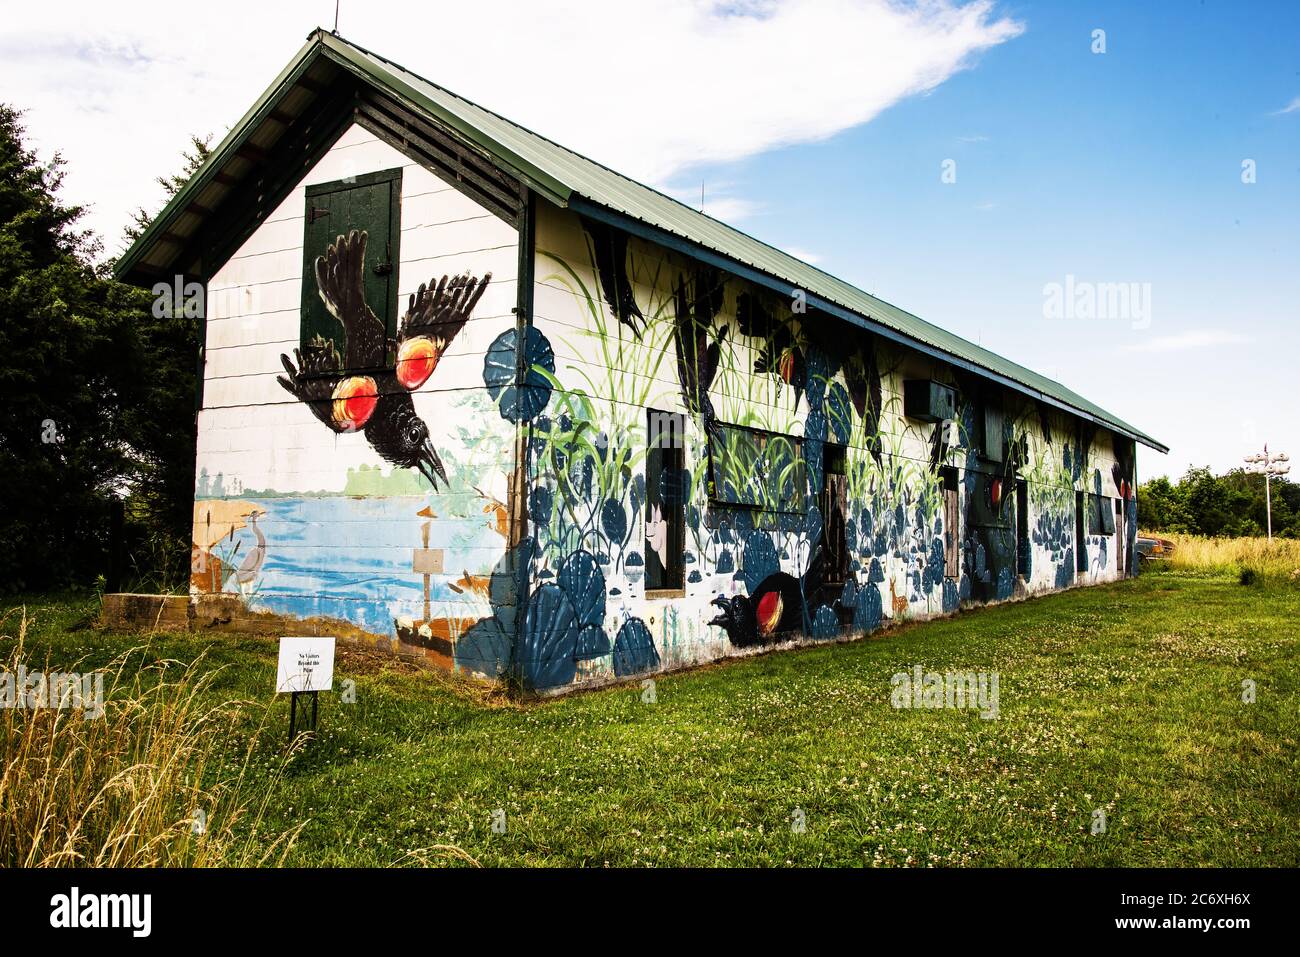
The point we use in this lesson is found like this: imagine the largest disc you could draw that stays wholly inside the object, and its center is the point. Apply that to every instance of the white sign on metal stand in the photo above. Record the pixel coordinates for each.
(306, 666)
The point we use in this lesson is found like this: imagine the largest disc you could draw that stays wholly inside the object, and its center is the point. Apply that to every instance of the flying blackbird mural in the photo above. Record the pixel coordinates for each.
(1045, 421)
(862, 374)
(361, 390)
(610, 248)
(698, 352)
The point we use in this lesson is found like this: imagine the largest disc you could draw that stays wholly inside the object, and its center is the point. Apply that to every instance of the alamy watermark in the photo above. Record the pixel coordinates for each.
(1079, 299)
(974, 690)
(35, 690)
(75, 909)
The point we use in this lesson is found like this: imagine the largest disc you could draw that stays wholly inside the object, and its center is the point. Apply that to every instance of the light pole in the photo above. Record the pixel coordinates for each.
(1270, 465)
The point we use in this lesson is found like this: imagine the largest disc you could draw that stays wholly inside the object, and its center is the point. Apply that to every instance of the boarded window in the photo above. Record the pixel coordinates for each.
(1101, 515)
(1024, 545)
(993, 447)
(369, 204)
(757, 469)
(665, 519)
(834, 506)
(951, 524)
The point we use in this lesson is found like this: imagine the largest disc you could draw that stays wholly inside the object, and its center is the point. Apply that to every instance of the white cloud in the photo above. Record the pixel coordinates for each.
(811, 259)
(1289, 108)
(730, 209)
(649, 88)
(1192, 339)
(720, 201)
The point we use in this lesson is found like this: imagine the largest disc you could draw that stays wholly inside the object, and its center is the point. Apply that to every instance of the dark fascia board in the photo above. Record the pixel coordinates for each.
(672, 241)
(125, 267)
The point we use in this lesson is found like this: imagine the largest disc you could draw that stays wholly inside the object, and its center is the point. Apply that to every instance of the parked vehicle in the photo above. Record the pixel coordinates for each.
(1153, 549)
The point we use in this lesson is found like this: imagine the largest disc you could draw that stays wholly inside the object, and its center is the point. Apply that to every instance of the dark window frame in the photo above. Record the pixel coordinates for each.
(1101, 515)
(951, 484)
(672, 582)
(832, 502)
(717, 458)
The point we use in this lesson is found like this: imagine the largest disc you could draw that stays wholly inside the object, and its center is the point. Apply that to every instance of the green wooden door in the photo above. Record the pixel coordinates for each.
(369, 203)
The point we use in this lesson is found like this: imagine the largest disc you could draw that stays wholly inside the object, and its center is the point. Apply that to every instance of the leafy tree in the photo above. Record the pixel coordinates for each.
(1159, 505)
(1232, 504)
(70, 368)
(100, 391)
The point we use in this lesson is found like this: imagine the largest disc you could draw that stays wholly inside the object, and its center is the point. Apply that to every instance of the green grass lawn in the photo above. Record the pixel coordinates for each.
(1126, 698)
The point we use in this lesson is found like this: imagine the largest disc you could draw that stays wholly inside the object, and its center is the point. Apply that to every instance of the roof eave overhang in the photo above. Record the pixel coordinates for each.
(690, 248)
(130, 267)
(127, 268)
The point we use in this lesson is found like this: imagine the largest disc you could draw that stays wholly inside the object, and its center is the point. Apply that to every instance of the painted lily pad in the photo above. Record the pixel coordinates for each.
(550, 639)
(839, 413)
(814, 426)
(539, 504)
(819, 370)
(584, 584)
(592, 643)
(812, 525)
(519, 403)
(868, 610)
(486, 648)
(634, 649)
(613, 519)
(849, 594)
(759, 560)
(877, 572)
(825, 623)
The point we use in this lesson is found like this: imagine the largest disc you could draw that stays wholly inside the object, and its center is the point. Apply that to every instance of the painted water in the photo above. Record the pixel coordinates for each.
(351, 558)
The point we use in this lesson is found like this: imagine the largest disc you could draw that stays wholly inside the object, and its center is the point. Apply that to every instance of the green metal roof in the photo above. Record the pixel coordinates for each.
(569, 179)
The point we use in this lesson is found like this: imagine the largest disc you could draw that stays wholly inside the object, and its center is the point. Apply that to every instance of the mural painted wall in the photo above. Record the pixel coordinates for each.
(667, 466)
(809, 506)
(358, 469)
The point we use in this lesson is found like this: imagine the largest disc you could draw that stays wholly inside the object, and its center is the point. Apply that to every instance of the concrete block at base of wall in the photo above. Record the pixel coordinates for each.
(227, 614)
(145, 612)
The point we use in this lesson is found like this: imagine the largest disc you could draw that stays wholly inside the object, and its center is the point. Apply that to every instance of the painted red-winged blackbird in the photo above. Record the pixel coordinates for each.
(774, 609)
(779, 352)
(360, 390)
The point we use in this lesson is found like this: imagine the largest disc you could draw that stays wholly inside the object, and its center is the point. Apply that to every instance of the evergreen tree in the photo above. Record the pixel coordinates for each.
(70, 367)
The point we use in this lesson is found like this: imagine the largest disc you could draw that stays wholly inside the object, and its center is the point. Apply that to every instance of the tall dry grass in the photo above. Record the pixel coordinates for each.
(1278, 561)
(126, 789)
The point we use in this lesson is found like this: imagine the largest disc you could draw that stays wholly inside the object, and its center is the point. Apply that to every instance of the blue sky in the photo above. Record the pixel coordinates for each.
(1115, 167)
(823, 126)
